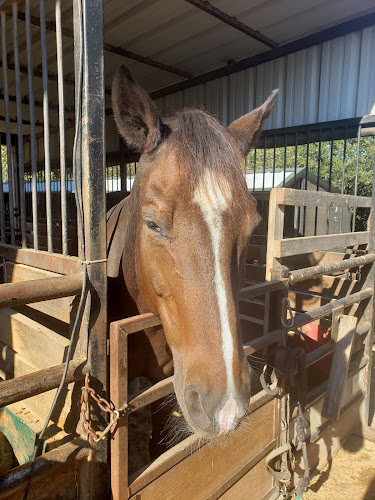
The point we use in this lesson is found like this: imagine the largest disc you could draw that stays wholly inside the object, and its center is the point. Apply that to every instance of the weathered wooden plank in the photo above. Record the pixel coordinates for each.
(314, 259)
(259, 289)
(255, 272)
(12, 364)
(296, 197)
(329, 286)
(256, 252)
(255, 484)
(340, 367)
(253, 308)
(210, 466)
(54, 262)
(276, 216)
(305, 244)
(59, 464)
(31, 340)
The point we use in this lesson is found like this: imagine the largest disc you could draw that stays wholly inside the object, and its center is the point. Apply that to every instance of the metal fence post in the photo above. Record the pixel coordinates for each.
(369, 311)
(96, 473)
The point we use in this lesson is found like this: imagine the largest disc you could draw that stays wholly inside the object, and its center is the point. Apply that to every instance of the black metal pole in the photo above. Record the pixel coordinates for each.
(94, 216)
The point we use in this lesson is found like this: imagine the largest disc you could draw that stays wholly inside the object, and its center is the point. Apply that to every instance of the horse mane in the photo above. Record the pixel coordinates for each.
(201, 143)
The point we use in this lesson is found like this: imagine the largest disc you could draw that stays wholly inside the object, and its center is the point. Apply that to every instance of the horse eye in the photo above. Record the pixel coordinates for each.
(154, 227)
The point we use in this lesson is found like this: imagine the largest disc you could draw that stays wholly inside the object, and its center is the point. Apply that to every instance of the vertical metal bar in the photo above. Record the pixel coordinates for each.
(274, 161)
(331, 161)
(285, 155)
(32, 126)
(356, 175)
(306, 179)
(94, 208)
(255, 165)
(296, 209)
(119, 397)
(295, 161)
(47, 163)
(264, 162)
(330, 178)
(7, 126)
(123, 168)
(343, 174)
(318, 179)
(369, 311)
(344, 161)
(19, 124)
(60, 79)
(2, 205)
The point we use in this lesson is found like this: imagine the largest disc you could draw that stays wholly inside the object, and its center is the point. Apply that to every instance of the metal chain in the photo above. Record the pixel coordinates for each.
(104, 405)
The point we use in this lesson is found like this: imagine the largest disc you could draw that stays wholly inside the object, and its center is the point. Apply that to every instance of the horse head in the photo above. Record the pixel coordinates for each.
(191, 216)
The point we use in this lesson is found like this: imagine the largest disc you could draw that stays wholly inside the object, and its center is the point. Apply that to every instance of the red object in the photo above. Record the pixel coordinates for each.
(315, 336)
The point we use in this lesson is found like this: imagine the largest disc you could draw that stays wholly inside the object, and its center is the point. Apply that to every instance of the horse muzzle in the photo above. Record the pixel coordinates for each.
(211, 416)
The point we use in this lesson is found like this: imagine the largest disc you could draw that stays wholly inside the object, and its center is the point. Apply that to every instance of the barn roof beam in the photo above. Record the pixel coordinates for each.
(50, 26)
(232, 21)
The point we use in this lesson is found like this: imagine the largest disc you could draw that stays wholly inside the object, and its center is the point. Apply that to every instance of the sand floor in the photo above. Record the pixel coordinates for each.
(351, 474)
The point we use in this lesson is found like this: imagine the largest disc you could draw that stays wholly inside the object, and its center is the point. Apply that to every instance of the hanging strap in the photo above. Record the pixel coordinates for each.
(287, 373)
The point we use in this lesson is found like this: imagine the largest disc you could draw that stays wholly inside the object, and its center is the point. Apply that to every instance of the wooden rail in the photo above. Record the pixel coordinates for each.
(57, 263)
(279, 247)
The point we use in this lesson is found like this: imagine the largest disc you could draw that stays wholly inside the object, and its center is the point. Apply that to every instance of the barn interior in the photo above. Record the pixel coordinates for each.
(224, 58)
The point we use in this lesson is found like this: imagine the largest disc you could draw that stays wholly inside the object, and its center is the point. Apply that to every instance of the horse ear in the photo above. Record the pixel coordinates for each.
(135, 113)
(246, 129)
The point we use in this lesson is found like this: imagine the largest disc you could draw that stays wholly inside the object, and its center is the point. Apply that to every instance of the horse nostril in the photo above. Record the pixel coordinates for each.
(194, 406)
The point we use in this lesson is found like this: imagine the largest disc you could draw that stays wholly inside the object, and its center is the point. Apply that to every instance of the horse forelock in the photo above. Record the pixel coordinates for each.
(204, 148)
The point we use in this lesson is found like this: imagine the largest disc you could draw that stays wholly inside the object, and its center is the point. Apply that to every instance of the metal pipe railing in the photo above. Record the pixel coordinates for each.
(27, 292)
(311, 272)
(20, 388)
(308, 317)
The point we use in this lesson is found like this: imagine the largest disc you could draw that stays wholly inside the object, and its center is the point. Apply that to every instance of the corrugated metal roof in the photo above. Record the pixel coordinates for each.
(180, 35)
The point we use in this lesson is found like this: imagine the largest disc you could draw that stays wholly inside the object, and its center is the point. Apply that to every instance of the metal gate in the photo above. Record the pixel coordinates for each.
(36, 239)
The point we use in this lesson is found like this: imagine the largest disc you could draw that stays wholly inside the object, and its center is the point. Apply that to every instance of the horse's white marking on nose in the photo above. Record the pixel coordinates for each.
(212, 198)
(227, 416)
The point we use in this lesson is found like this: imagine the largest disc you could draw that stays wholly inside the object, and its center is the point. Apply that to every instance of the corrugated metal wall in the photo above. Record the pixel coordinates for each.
(331, 81)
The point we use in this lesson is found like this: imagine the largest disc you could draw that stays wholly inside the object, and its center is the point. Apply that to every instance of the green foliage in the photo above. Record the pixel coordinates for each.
(4, 163)
(333, 162)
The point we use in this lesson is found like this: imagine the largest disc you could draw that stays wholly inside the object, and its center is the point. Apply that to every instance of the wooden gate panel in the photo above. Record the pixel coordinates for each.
(205, 470)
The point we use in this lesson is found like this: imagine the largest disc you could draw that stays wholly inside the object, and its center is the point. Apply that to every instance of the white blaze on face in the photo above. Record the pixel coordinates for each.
(213, 198)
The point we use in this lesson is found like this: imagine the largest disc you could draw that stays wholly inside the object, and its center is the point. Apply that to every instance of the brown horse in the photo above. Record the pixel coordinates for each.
(177, 245)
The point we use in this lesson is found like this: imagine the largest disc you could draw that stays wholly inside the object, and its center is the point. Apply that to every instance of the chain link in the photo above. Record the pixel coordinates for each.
(104, 405)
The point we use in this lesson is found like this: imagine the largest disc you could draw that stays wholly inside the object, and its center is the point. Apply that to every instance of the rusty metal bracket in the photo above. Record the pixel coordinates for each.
(104, 405)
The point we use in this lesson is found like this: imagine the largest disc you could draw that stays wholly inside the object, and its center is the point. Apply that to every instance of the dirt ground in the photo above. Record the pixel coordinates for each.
(351, 474)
